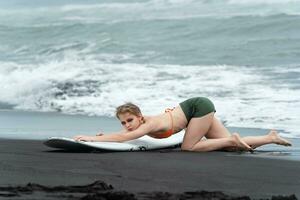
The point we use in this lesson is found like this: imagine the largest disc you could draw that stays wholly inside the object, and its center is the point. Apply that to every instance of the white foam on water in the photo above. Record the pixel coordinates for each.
(242, 95)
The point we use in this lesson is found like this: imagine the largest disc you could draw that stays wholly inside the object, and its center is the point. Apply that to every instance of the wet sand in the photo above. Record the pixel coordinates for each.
(164, 174)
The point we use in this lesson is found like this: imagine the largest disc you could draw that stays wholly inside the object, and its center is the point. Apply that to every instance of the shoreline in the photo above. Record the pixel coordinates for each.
(24, 125)
(56, 124)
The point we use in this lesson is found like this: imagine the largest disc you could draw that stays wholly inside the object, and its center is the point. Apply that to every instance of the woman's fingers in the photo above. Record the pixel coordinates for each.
(79, 138)
(99, 133)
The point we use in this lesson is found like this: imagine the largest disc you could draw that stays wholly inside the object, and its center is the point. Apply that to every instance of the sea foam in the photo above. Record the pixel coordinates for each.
(242, 96)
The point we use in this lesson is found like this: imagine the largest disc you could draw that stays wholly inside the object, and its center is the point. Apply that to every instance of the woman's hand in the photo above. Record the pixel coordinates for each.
(99, 134)
(84, 138)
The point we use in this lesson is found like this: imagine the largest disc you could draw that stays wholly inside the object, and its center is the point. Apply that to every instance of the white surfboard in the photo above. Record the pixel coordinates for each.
(141, 144)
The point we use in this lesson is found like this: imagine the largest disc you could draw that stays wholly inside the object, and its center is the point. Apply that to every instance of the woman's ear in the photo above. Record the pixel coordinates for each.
(141, 118)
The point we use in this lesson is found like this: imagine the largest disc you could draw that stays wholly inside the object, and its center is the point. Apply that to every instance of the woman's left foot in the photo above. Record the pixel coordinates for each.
(277, 139)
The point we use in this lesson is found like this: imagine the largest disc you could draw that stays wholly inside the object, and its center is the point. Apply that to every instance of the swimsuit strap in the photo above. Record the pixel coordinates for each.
(172, 125)
(168, 110)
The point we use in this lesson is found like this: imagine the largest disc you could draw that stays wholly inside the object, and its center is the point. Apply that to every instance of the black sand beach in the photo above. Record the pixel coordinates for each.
(164, 174)
(30, 170)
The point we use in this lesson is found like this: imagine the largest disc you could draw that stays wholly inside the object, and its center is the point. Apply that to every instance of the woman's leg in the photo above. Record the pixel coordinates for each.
(218, 130)
(199, 127)
(271, 138)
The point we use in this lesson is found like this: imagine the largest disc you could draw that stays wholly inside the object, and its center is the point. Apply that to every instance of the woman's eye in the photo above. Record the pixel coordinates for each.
(123, 123)
(129, 120)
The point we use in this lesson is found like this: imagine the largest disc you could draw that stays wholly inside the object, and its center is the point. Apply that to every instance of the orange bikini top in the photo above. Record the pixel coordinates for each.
(169, 132)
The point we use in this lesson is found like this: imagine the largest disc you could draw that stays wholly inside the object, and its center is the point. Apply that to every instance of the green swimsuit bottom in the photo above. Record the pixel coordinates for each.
(197, 107)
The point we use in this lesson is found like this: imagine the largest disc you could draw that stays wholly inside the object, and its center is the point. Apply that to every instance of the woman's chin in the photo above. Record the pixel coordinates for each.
(131, 129)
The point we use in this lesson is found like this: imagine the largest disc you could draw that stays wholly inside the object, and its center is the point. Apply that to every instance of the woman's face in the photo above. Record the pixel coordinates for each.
(130, 121)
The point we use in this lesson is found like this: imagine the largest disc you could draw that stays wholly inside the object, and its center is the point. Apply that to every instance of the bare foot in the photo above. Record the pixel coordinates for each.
(239, 143)
(277, 139)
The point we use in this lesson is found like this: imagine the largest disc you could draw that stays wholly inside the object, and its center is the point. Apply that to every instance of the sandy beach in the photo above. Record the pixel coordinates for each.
(164, 174)
(142, 173)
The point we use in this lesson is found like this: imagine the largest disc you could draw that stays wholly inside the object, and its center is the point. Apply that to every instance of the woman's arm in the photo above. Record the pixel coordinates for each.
(118, 137)
(97, 138)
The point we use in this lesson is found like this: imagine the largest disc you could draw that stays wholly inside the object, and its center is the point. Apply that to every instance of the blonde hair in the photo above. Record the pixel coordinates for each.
(128, 108)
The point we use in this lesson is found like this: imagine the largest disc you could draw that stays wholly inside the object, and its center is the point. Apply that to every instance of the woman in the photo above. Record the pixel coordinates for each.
(196, 116)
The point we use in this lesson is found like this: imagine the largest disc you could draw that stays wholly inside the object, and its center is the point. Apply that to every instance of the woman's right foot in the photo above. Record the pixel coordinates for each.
(239, 143)
(277, 139)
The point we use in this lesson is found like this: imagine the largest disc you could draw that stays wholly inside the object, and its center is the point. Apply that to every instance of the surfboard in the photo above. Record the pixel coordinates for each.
(141, 144)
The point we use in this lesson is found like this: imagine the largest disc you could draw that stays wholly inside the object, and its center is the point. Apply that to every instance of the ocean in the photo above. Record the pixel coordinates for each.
(87, 57)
